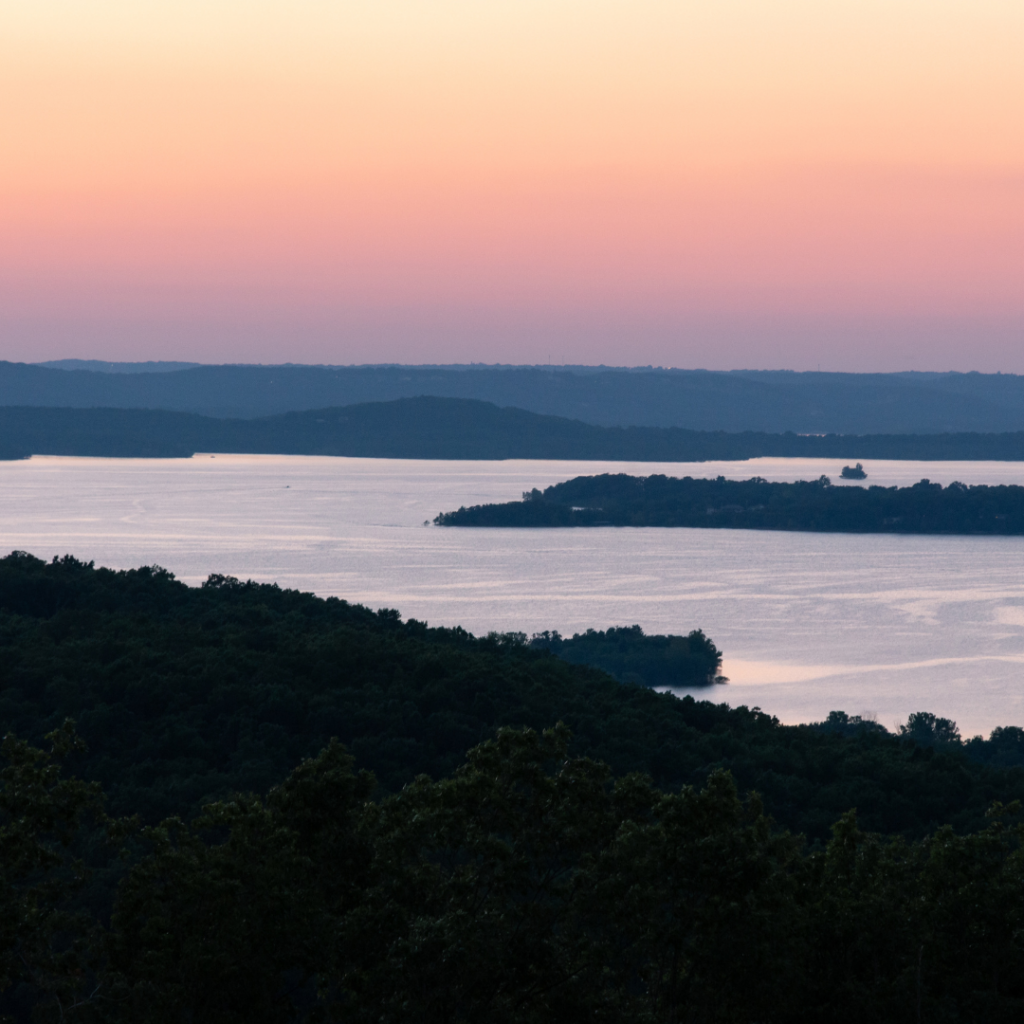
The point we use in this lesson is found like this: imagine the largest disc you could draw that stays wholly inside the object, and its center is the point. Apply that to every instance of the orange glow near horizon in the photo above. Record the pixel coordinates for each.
(747, 184)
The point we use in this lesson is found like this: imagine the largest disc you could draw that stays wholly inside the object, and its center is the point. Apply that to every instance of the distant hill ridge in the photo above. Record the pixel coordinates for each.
(99, 366)
(446, 428)
(765, 401)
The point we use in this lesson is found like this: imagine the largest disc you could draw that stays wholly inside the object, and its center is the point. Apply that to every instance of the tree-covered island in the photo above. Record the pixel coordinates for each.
(631, 656)
(756, 504)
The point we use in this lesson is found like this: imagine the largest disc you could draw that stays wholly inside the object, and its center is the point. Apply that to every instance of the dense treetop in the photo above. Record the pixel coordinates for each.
(614, 868)
(186, 694)
(527, 886)
(631, 656)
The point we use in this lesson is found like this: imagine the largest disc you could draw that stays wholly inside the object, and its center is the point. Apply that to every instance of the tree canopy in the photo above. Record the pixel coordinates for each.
(527, 886)
(185, 695)
(756, 504)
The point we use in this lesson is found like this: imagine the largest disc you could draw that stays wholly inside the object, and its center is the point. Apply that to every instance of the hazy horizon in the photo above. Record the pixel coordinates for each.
(733, 185)
(160, 365)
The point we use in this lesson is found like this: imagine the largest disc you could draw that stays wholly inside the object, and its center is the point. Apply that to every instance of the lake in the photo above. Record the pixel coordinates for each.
(873, 625)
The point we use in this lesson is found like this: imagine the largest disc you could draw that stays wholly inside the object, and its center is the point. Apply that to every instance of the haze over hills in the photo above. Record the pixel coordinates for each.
(741, 400)
(445, 428)
(100, 366)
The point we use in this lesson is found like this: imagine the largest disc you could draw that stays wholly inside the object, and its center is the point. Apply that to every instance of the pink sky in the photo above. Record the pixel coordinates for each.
(751, 185)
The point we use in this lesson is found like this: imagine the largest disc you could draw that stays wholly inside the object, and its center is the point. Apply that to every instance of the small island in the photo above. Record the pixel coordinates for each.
(633, 657)
(756, 504)
(854, 472)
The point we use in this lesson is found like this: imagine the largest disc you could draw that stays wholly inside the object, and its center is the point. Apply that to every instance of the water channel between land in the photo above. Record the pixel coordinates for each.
(873, 625)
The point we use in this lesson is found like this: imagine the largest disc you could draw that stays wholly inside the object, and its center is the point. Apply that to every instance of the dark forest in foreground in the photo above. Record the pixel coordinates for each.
(614, 869)
(528, 887)
(756, 504)
(447, 428)
(186, 694)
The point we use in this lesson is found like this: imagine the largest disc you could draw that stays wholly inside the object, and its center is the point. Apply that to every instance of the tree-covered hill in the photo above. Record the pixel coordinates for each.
(427, 427)
(527, 887)
(614, 869)
(734, 401)
(756, 504)
(184, 695)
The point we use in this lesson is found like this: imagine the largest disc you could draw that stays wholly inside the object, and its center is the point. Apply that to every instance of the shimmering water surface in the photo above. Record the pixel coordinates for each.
(880, 625)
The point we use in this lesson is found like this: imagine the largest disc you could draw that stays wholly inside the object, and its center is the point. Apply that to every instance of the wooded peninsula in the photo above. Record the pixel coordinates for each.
(237, 803)
(756, 504)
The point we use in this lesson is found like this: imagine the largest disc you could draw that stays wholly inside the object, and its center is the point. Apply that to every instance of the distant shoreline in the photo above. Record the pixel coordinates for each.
(809, 506)
(761, 401)
(454, 429)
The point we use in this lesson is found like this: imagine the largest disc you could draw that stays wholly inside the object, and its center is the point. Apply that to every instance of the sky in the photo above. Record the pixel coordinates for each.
(744, 183)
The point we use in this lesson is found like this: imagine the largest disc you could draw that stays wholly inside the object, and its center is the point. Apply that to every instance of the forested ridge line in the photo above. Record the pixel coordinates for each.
(186, 694)
(604, 852)
(757, 504)
(447, 428)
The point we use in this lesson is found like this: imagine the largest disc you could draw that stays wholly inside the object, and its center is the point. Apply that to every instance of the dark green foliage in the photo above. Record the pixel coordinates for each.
(925, 728)
(44, 944)
(756, 504)
(187, 695)
(853, 725)
(529, 888)
(611, 874)
(235, 916)
(626, 653)
(533, 887)
(920, 931)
